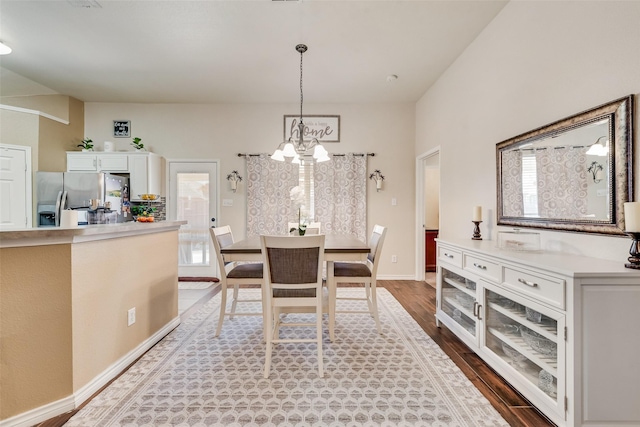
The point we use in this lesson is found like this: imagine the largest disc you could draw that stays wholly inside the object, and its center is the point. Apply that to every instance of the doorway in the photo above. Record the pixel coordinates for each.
(15, 187)
(427, 213)
(193, 197)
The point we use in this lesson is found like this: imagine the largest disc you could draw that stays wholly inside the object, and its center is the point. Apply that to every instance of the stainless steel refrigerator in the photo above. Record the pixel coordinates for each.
(99, 198)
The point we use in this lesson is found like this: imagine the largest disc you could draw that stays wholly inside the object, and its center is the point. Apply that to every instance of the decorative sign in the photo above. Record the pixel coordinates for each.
(122, 128)
(324, 128)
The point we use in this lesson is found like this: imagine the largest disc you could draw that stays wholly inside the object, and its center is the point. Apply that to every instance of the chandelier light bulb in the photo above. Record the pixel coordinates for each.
(4, 49)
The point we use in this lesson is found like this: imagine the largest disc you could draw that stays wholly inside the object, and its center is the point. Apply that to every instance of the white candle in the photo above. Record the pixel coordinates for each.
(632, 217)
(234, 185)
(477, 213)
(379, 184)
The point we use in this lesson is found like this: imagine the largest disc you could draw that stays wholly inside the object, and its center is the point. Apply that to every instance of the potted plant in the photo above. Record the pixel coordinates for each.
(137, 143)
(87, 144)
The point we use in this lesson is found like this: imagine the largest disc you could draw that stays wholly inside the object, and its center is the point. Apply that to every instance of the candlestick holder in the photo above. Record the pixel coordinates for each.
(476, 230)
(634, 251)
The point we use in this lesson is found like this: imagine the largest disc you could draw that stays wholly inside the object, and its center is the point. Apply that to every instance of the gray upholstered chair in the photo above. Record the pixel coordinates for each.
(357, 272)
(292, 284)
(233, 274)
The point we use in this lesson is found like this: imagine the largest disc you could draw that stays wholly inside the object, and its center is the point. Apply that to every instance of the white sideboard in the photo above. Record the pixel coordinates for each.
(563, 330)
(144, 168)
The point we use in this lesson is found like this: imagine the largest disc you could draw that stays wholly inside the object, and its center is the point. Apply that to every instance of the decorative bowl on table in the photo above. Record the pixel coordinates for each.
(538, 343)
(149, 196)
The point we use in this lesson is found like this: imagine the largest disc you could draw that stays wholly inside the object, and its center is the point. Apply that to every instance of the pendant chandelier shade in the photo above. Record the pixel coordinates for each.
(294, 149)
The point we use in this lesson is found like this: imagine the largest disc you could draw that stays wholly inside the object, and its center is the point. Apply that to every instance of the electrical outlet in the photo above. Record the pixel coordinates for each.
(394, 201)
(131, 316)
(394, 258)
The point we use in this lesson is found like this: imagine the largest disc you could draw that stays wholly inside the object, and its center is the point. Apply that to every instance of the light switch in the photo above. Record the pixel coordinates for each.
(227, 202)
(393, 201)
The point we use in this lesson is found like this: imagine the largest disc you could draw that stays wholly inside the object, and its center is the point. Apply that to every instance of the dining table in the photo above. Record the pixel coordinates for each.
(337, 247)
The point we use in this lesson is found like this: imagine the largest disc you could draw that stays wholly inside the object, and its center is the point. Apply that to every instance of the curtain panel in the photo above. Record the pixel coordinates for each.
(341, 195)
(269, 205)
(512, 199)
(562, 182)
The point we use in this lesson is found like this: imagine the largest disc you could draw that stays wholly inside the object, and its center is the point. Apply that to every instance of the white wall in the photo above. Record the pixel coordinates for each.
(222, 131)
(536, 63)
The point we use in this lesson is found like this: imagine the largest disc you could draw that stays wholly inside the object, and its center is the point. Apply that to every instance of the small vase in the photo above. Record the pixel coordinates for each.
(301, 231)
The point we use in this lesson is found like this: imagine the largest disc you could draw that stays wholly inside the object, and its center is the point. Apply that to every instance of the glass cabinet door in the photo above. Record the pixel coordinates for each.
(528, 337)
(458, 300)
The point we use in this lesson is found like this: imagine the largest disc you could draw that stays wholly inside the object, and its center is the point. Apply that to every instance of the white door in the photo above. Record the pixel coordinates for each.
(15, 187)
(193, 197)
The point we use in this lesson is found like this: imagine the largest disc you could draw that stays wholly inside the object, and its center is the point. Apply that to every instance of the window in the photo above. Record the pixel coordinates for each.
(529, 185)
(306, 183)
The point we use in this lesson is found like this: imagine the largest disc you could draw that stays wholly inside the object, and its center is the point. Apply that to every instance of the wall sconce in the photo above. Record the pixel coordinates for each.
(378, 178)
(234, 177)
(596, 171)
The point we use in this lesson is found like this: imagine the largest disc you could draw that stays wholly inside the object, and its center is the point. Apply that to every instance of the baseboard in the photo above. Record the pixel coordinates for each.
(40, 414)
(53, 409)
(390, 277)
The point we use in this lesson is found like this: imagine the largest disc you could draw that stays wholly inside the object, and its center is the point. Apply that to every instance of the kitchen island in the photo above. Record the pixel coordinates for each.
(67, 298)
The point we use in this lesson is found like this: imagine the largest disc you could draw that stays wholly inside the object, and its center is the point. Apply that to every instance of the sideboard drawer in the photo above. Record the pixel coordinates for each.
(482, 267)
(450, 256)
(543, 288)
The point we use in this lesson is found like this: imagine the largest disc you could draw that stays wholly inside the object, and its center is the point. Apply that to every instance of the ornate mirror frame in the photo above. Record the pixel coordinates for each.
(618, 116)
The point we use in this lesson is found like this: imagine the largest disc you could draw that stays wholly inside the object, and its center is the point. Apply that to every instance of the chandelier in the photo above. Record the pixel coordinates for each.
(293, 149)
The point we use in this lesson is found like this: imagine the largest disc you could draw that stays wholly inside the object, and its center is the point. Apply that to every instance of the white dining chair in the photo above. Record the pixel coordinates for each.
(234, 274)
(365, 273)
(292, 284)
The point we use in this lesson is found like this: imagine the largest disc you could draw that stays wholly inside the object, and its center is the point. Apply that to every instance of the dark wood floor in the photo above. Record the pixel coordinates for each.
(419, 299)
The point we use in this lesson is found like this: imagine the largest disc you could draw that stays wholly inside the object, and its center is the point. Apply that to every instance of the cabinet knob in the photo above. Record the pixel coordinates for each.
(481, 267)
(448, 255)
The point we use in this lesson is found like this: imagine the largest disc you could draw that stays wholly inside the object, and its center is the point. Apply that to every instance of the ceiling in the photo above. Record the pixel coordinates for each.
(234, 51)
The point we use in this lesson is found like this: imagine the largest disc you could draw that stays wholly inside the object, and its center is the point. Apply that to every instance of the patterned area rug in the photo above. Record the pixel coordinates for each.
(190, 378)
(195, 285)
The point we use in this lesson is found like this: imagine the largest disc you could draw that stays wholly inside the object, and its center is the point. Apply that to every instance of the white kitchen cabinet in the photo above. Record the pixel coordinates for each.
(97, 162)
(561, 329)
(144, 168)
(145, 174)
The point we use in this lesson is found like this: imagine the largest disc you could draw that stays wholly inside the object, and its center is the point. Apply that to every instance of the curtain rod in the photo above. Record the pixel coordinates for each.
(340, 155)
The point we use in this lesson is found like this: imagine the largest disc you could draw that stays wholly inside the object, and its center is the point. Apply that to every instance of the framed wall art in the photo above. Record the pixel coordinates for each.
(121, 128)
(324, 128)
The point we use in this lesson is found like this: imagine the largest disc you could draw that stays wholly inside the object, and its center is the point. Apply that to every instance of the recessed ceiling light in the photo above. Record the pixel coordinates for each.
(392, 77)
(4, 49)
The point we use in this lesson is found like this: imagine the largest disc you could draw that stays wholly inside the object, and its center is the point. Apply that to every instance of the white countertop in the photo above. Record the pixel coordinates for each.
(57, 235)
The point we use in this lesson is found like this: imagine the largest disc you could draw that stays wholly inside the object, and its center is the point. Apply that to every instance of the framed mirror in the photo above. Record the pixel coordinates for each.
(573, 175)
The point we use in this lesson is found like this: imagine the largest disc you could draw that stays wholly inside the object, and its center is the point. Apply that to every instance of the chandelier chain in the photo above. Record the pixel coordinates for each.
(301, 96)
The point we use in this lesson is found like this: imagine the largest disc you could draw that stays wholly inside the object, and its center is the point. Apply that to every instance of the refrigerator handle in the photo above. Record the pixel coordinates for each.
(57, 211)
(63, 206)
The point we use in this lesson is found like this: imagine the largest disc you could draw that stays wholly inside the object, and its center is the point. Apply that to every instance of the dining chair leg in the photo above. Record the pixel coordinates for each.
(268, 328)
(234, 302)
(319, 336)
(332, 287)
(223, 308)
(374, 303)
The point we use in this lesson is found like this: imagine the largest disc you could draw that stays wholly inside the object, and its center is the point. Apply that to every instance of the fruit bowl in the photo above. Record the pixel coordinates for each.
(149, 196)
(145, 219)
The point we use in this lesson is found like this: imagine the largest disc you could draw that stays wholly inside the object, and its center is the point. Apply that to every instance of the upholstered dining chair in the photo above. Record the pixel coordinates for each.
(233, 274)
(365, 273)
(292, 284)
